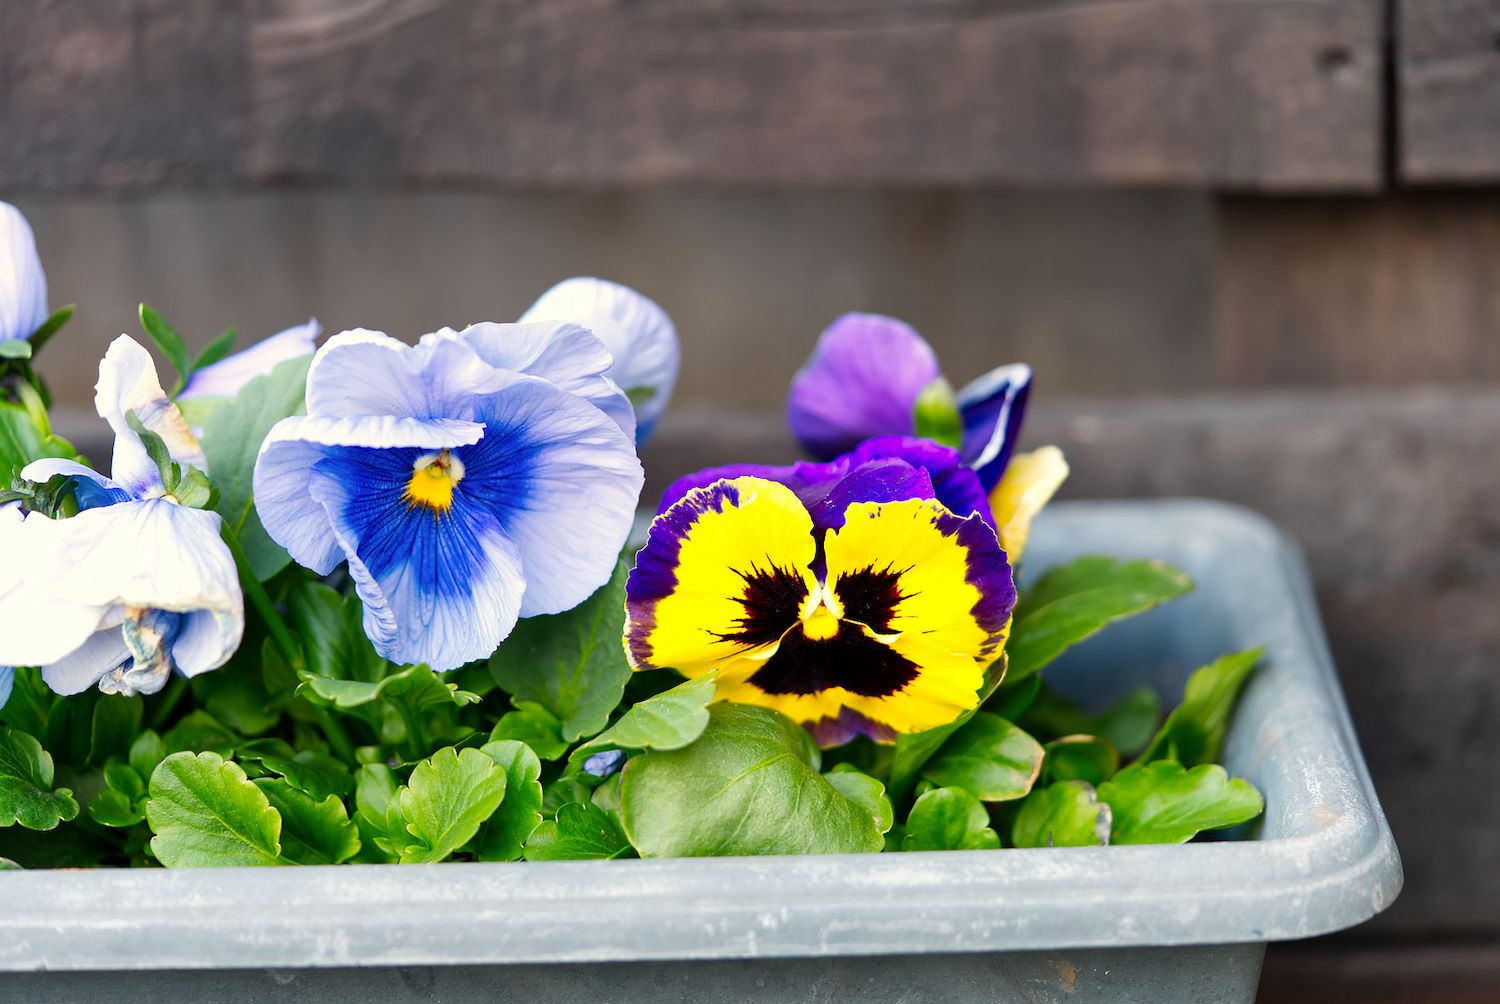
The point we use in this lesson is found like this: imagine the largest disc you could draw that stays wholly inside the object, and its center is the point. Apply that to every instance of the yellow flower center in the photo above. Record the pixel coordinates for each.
(820, 614)
(433, 478)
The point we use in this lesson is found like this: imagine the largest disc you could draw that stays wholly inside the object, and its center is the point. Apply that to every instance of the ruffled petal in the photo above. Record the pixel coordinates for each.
(563, 480)
(862, 381)
(438, 588)
(104, 651)
(944, 686)
(723, 575)
(283, 473)
(206, 640)
(128, 385)
(953, 483)
(913, 566)
(363, 372)
(637, 331)
(23, 284)
(1030, 481)
(883, 480)
(993, 407)
(564, 354)
(91, 490)
(225, 377)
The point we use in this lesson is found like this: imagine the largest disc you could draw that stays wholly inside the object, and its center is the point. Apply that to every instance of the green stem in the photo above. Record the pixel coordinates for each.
(277, 626)
(333, 729)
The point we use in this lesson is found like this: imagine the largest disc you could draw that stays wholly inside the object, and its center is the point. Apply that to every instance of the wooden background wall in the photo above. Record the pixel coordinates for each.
(1251, 246)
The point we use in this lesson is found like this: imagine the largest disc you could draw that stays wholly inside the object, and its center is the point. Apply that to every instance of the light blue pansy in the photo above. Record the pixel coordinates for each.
(135, 585)
(225, 377)
(7, 678)
(638, 333)
(23, 284)
(478, 477)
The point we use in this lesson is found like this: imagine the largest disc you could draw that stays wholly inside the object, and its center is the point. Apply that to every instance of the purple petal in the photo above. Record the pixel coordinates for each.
(885, 480)
(992, 407)
(953, 483)
(863, 380)
(831, 732)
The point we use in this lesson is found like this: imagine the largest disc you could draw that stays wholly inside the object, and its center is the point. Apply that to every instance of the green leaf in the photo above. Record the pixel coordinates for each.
(1080, 758)
(668, 721)
(206, 813)
(22, 441)
(17, 348)
(198, 731)
(563, 791)
(1076, 600)
(949, 819)
(317, 774)
(1164, 803)
(582, 831)
(1011, 701)
(171, 344)
(333, 634)
(116, 720)
(1065, 814)
(215, 350)
(313, 832)
(935, 416)
(7, 865)
(26, 793)
(748, 785)
(449, 795)
(535, 726)
(122, 777)
(232, 436)
(503, 835)
(416, 686)
(864, 791)
(146, 752)
(1129, 722)
(572, 663)
(51, 326)
(115, 809)
(989, 757)
(375, 791)
(914, 749)
(237, 695)
(1194, 732)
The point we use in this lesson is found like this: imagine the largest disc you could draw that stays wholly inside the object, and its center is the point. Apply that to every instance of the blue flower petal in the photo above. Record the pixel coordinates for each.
(7, 678)
(225, 377)
(363, 372)
(104, 651)
(92, 489)
(23, 284)
(863, 380)
(993, 406)
(638, 333)
(129, 387)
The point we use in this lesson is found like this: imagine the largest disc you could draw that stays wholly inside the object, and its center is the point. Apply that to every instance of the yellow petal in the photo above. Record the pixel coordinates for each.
(1030, 481)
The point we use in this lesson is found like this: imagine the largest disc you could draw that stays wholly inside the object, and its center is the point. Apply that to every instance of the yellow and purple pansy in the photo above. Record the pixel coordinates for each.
(866, 377)
(875, 609)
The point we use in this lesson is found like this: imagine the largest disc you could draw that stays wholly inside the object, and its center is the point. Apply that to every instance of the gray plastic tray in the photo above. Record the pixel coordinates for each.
(1156, 924)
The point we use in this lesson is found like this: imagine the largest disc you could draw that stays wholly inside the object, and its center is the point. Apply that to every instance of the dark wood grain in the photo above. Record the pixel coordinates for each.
(1448, 93)
(1257, 94)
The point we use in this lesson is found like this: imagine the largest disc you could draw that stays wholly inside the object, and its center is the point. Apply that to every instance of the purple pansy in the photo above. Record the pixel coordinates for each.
(864, 380)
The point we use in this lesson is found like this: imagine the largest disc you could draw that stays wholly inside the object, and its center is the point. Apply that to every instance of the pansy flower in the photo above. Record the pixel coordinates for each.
(868, 375)
(638, 333)
(7, 678)
(136, 585)
(225, 377)
(23, 284)
(879, 613)
(477, 477)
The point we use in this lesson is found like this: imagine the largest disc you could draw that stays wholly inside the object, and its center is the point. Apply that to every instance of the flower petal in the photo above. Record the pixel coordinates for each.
(283, 473)
(92, 488)
(362, 372)
(206, 640)
(862, 381)
(722, 576)
(225, 377)
(945, 685)
(564, 481)
(913, 566)
(564, 354)
(1030, 481)
(638, 333)
(7, 679)
(79, 670)
(953, 483)
(992, 407)
(128, 385)
(23, 284)
(438, 588)
(37, 625)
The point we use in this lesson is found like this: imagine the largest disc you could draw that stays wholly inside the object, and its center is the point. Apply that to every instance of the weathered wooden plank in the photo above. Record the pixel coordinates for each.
(1448, 90)
(1392, 496)
(1258, 94)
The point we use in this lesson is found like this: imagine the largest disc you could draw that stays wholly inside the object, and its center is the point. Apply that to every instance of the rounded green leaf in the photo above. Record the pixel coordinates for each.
(503, 835)
(582, 831)
(1065, 814)
(748, 785)
(1080, 758)
(313, 832)
(1194, 732)
(206, 813)
(949, 819)
(449, 796)
(667, 721)
(988, 757)
(26, 793)
(1164, 803)
(865, 791)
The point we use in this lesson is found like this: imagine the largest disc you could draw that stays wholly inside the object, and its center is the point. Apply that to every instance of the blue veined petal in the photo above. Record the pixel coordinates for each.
(103, 652)
(363, 372)
(564, 354)
(564, 481)
(993, 406)
(225, 377)
(283, 473)
(7, 678)
(637, 332)
(205, 640)
(23, 284)
(128, 385)
(92, 488)
(441, 588)
(862, 381)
